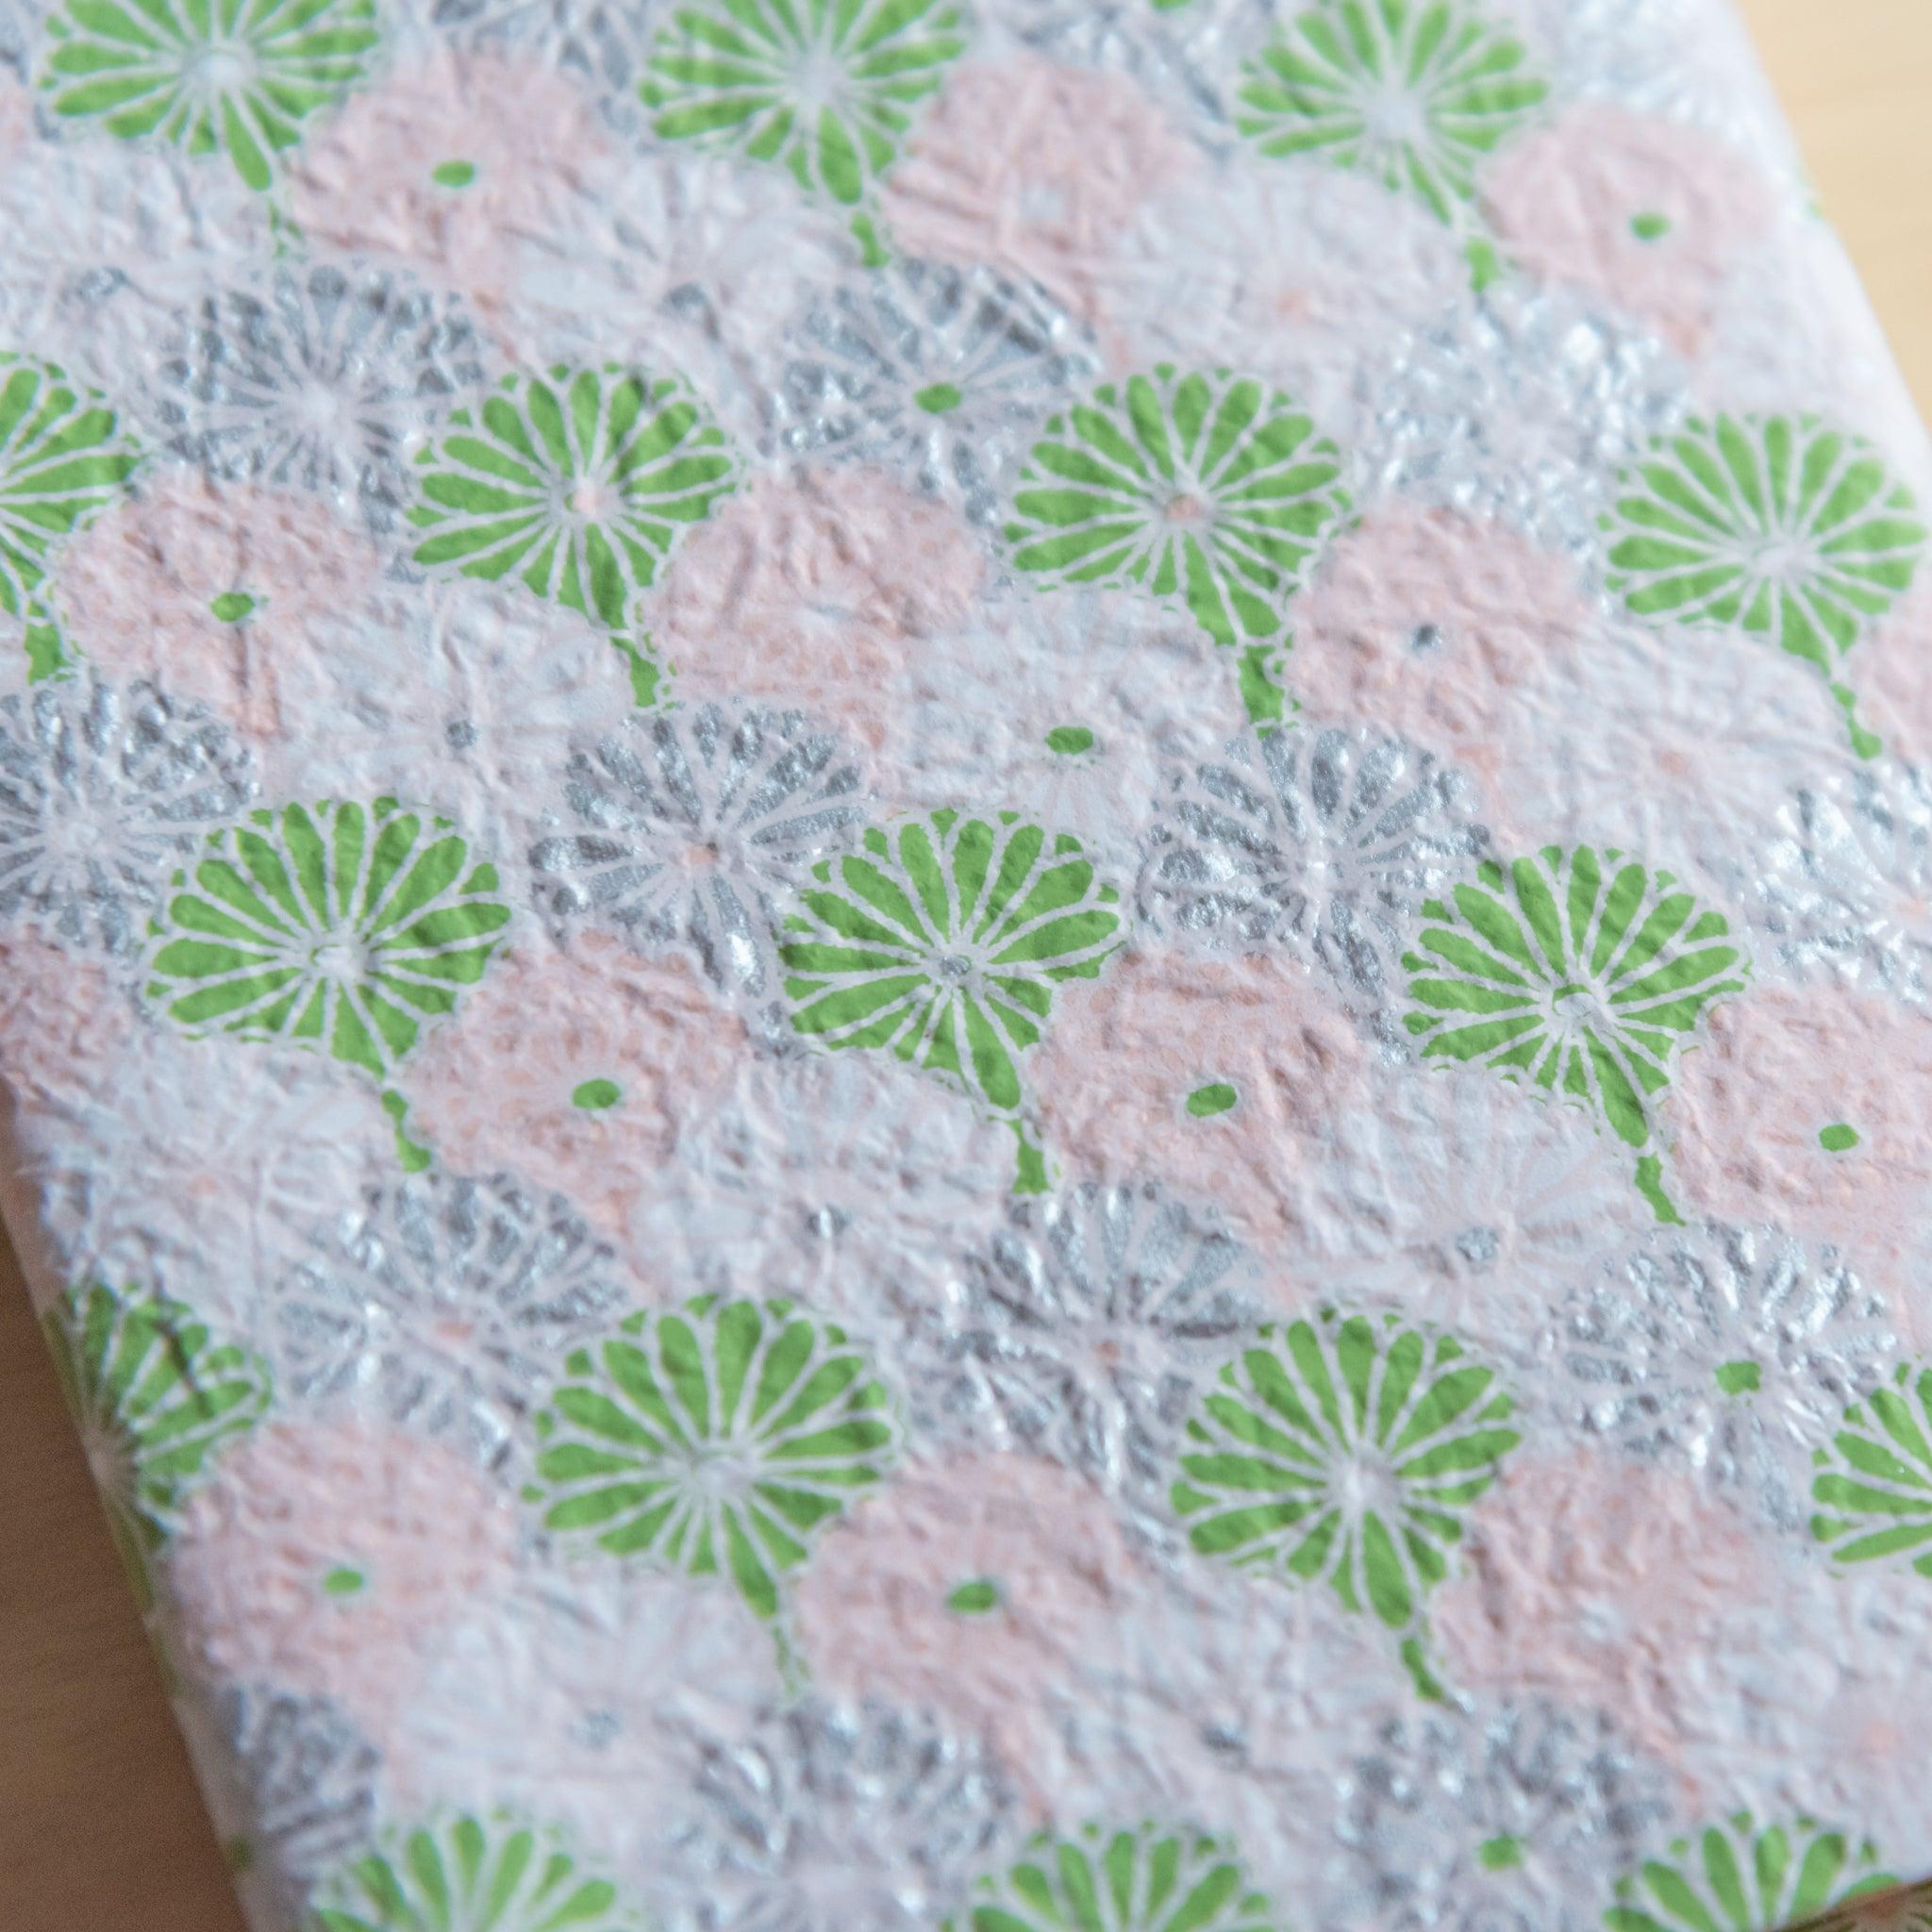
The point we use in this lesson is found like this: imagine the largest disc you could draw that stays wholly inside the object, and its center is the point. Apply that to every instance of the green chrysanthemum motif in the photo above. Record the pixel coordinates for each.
(1153, 1879)
(1787, 528)
(468, 1875)
(232, 76)
(943, 939)
(580, 484)
(341, 925)
(1581, 973)
(1874, 1486)
(1736, 1878)
(1210, 491)
(824, 87)
(1412, 91)
(61, 462)
(716, 1441)
(1344, 1448)
(155, 1394)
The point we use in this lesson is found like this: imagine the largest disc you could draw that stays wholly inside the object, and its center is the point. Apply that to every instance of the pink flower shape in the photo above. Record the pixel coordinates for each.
(1033, 168)
(972, 1588)
(1210, 1074)
(815, 591)
(1427, 625)
(1813, 1109)
(208, 588)
(1605, 1584)
(332, 1558)
(1646, 214)
(577, 1069)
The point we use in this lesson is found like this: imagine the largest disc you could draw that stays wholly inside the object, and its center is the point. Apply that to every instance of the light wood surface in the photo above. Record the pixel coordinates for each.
(100, 1827)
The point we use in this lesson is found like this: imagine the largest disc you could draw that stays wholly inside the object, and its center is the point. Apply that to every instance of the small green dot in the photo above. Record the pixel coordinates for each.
(1213, 1099)
(1739, 1379)
(231, 607)
(1068, 739)
(1838, 1139)
(342, 1582)
(594, 1095)
(938, 398)
(1502, 1854)
(1650, 226)
(975, 1598)
(454, 175)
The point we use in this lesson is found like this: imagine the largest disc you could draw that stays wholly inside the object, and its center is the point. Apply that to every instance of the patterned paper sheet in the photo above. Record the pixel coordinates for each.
(968, 967)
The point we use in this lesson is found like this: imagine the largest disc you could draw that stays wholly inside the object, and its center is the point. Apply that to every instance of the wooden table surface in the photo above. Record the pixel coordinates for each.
(100, 1827)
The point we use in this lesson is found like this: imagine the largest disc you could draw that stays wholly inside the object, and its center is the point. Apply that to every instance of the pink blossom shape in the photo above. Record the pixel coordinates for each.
(1647, 215)
(1427, 625)
(815, 591)
(330, 1558)
(1034, 168)
(576, 1069)
(1045, 1572)
(1123, 1058)
(210, 589)
(1605, 1584)
(1757, 1116)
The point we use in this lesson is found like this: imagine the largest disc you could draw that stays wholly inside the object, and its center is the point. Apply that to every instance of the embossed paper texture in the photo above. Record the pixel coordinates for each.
(967, 971)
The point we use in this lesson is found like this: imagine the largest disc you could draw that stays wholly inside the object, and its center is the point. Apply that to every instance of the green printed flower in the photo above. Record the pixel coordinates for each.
(1154, 1879)
(467, 1876)
(155, 1394)
(1579, 972)
(1412, 91)
(1738, 1878)
(1874, 1483)
(943, 938)
(1209, 491)
(717, 1440)
(61, 462)
(1790, 529)
(580, 484)
(342, 926)
(825, 88)
(230, 76)
(1344, 1448)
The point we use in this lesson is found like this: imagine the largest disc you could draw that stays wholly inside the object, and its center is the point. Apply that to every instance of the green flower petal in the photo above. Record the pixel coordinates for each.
(578, 482)
(340, 925)
(1414, 94)
(1208, 491)
(1580, 973)
(717, 1441)
(1344, 1450)
(1874, 1486)
(1737, 1875)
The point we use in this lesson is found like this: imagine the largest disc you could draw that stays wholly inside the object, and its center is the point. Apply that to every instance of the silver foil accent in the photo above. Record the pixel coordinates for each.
(700, 822)
(445, 1301)
(102, 791)
(1729, 1348)
(325, 376)
(946, 373)
(1317, 840)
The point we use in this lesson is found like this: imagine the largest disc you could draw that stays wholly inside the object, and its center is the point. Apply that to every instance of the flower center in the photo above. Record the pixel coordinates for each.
(1185, 508)
(338, 960)
(218, 70)
(1577, 1009)
(1783, 557)
(1393, 117)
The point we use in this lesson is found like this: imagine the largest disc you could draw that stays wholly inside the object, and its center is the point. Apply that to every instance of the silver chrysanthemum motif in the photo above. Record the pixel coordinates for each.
(943, 372)
(697, 821)
(101, 792)
(1520, 406)
(328, 377)
(446, 1302)
(303, 1793)
(1080, 1333)
(1727, 1347)
(1317, 840)
(830, 1819)
(1845, 880)
(1509, 1818)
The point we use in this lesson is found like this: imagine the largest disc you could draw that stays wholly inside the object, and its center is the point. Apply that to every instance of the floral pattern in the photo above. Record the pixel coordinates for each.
(1773, 1874)
(1873, 1491)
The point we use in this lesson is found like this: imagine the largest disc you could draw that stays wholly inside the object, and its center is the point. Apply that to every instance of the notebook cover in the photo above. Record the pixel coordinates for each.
(967, 968)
